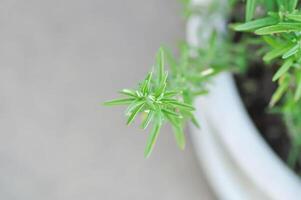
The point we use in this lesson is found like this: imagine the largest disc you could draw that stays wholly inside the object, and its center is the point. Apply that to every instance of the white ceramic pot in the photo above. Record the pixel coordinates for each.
(237, 161)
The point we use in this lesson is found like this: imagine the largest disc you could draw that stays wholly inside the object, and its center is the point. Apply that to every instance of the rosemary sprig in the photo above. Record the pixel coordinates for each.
(160, 104)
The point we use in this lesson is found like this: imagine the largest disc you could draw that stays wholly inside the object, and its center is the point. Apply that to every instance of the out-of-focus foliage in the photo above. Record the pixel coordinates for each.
(280, 27)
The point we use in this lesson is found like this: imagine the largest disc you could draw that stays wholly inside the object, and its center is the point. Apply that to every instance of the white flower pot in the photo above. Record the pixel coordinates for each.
(237, 161)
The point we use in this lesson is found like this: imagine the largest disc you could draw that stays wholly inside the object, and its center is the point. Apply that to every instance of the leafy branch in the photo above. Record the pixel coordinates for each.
(163, 97)
(158, 103)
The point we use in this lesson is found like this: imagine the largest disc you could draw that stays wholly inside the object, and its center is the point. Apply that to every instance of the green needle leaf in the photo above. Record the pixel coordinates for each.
(251, 25)
(291, 51)
(177, 129)
(169, 94)
(148, 119)
(180, 105)
(250, 8)
(294, 17)
(162, 86)
(128, 92)
(298, 90)
(284, 27)
(170, 112)
(279, 92)
(146, 84)
(276, 52)
(119, 102)
(134, 113)
(284, 68)
(273, 42)
(292, 4)
(133, 106)
(172, 62)
(152, 138)
(160, 63)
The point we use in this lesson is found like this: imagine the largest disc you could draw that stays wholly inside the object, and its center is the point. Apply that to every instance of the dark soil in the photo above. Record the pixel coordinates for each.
(256, 88)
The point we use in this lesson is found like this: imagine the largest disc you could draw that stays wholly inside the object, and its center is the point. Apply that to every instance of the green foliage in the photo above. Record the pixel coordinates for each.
(158, 103)
(164, 98)
(167, 98)
(280, 29)
(253, 25)
(250, 8)
(281, 32)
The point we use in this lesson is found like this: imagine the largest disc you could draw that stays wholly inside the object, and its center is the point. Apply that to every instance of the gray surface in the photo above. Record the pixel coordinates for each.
(58, 61)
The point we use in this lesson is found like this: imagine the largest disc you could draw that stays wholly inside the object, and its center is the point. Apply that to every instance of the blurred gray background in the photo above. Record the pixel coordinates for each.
(59, 59)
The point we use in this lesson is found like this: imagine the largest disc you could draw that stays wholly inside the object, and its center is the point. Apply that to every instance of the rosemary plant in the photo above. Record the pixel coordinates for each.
(161, 97)
(159, 103)
(168, 97)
